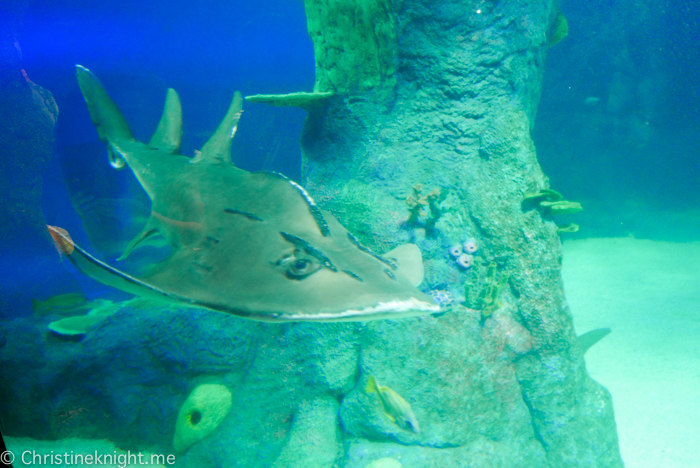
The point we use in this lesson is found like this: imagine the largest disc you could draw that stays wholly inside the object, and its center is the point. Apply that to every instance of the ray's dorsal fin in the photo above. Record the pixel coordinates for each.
(104, 113)
(168, 135)
(409, 261)
(219, 145)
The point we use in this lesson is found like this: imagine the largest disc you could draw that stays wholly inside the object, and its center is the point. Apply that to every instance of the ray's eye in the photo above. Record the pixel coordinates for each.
(299, 266)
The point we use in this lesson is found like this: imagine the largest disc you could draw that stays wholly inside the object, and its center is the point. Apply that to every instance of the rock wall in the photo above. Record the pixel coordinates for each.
(456, 116)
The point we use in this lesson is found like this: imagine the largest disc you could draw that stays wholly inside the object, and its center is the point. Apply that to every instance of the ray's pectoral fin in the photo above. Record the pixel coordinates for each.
(100, 271)
(147, 232)
(588, 339)
(409, 261)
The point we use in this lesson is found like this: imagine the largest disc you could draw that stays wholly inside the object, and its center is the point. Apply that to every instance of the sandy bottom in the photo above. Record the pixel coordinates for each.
(648, 293)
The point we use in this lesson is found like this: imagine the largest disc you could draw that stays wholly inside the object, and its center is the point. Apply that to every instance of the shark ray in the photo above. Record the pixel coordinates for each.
(254, 245)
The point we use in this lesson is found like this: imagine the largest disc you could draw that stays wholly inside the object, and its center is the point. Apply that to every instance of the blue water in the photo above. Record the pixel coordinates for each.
(632, 154)
(634, 149)
(138, 51)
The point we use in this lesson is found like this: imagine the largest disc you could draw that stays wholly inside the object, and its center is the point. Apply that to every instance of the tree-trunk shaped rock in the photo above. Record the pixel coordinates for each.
(415, 98)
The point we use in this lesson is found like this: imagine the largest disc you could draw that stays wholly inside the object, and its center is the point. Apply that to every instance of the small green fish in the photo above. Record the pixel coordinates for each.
(395, 407)
(62, 302)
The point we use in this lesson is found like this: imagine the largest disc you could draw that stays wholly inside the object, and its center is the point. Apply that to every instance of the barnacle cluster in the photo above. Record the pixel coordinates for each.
(463, 254)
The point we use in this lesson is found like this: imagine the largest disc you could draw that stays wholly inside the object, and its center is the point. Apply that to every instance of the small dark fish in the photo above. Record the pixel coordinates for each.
(62, 301)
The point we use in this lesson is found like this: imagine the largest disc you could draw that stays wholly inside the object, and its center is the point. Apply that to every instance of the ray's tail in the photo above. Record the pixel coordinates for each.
(62, 240)
(105, 274)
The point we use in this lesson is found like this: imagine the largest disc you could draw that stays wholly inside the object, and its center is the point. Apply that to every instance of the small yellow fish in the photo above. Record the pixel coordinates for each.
(395, 407)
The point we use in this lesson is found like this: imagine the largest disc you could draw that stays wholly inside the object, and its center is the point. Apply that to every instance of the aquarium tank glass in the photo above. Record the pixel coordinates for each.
(350, 233)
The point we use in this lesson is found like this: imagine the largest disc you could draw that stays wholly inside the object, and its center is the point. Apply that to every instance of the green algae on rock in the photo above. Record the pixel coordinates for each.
(354, 43)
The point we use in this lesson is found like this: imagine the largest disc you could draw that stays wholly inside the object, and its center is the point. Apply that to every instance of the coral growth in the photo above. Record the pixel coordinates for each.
(483, 293)
(571, 227)
(552, 202)
(465, 261)
(562, 207)
(74, 327)
(201, 414)
(300, 99)
(463, 254)
(456, 251)
(442, 297)
(417, 202)
(470, 246)
(560, 29)
(541, 196)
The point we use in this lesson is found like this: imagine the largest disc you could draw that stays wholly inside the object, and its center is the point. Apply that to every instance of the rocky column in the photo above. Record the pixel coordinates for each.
(438, 97)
